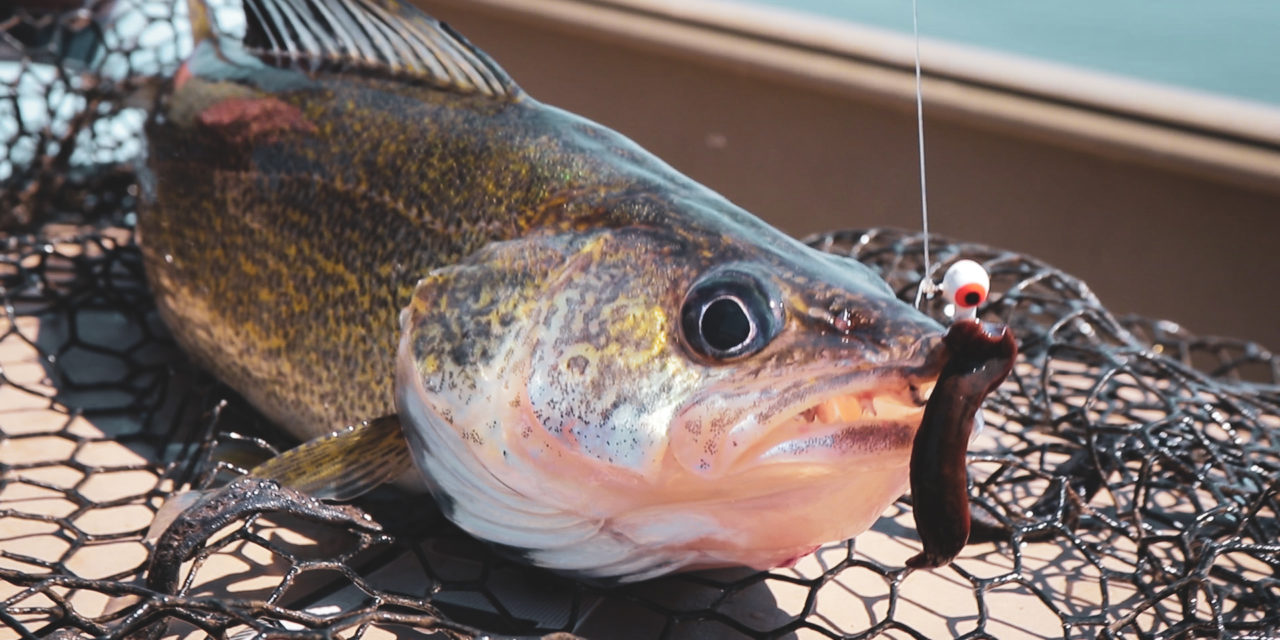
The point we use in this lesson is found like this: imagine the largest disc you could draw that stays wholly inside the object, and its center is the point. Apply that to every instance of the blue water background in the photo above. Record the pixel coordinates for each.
(1230, 47)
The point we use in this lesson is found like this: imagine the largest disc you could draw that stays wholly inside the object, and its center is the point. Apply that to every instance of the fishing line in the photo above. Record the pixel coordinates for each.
(926, 285)
(966, 283)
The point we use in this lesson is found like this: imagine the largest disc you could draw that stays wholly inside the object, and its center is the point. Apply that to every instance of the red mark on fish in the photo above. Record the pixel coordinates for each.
(253, 120)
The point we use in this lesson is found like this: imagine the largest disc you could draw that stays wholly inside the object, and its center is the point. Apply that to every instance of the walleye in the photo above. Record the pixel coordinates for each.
(596, 362)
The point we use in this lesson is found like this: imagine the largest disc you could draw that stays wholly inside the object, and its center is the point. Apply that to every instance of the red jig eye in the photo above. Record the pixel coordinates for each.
(965, 285)
(971, 295)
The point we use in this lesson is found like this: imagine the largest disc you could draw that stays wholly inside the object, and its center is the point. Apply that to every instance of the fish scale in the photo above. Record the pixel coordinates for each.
(354, 215)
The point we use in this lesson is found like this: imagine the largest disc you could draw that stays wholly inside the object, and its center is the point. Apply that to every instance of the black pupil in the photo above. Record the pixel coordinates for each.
(725, 324)
(971, 298)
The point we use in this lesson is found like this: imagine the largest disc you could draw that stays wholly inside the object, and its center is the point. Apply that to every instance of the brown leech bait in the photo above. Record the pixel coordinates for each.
(980, 357)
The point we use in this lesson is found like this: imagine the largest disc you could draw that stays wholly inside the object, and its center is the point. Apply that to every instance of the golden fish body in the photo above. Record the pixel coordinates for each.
(597, 361)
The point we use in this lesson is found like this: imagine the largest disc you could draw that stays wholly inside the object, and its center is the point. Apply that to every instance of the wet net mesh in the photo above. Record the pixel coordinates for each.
(1125, 486)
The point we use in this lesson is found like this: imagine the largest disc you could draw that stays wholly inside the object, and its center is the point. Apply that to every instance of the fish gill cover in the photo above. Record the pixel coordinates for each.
(1126, 483)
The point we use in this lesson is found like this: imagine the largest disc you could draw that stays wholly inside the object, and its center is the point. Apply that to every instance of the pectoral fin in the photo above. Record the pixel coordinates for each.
(344, 464)
(339, 466)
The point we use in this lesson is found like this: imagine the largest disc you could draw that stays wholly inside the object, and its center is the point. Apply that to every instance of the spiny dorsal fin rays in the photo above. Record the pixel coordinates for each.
(372, 36)
(287, 16)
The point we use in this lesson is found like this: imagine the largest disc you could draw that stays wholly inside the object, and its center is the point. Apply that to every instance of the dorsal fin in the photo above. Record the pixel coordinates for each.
(376, 36)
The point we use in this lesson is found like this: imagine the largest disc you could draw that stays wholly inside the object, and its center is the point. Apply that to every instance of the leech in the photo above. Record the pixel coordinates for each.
(980, 356)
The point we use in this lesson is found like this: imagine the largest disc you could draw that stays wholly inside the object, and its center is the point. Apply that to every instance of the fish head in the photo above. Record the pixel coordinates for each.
(830, 371)
(637, 400)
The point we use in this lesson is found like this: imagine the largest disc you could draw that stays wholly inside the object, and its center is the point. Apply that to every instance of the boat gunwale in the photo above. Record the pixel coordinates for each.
(1209, 135)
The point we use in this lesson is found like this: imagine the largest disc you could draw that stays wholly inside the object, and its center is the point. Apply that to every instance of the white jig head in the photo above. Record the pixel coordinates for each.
(965, 287)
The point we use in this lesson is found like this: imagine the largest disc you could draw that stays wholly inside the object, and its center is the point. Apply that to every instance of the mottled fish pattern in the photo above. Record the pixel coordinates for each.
(354, 180)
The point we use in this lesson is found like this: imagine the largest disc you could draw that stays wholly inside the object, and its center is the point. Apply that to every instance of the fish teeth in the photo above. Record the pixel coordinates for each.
(869, 406)
(839, 410)
(829, 411)
(852, 407)
(842, 409)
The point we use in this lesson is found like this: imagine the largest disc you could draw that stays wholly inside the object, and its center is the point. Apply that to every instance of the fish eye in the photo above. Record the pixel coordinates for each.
(729, 315)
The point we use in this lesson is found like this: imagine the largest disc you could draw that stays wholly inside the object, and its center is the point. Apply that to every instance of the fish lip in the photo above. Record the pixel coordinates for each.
(878, 435)
(905, 380)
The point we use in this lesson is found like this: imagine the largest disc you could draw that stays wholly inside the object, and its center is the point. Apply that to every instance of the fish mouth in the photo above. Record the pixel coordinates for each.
(827, 419)
(875, 426)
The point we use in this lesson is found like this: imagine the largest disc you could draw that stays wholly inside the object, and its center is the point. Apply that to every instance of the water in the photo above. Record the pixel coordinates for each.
(1230, 47)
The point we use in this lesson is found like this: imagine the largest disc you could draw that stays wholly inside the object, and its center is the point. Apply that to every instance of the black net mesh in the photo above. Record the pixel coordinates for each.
(1126, 483)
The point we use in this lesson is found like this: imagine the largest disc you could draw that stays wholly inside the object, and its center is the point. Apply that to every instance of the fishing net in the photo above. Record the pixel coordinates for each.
(1125, 486)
